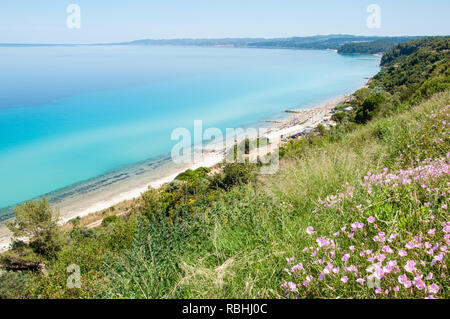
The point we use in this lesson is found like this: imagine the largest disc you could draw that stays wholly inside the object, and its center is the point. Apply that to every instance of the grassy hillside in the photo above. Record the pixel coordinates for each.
(365, 202)
(237, 246)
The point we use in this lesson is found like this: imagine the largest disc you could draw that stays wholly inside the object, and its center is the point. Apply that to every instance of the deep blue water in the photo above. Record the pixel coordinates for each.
(69, 114)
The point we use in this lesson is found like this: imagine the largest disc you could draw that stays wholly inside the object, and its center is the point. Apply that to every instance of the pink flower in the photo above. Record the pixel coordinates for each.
(392, 263)
(439, 258)
(297, 267)
(344, 279)
(351, 268)
(387, 269)
(360, 281)
(432, 231)
(292, 287)
(410, 245)
(403, 279)
(346, 257)
(378, 273)
(402, 253)
(396, 288)
(410, 266)
(392, 238)
(420, 284)
(434, 289)
(321, 276)
(371, 219)
(387, 249)
(444, 207)
(310, 230)
(446, 229)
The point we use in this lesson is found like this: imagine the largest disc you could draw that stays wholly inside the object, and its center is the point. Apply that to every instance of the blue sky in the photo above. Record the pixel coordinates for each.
(44, 21)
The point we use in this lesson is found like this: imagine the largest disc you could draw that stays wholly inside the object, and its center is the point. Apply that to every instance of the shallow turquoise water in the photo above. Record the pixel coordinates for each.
(69, 114)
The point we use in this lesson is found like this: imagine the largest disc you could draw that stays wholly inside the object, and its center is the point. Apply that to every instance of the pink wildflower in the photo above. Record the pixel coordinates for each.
(434, 289)
(419, 284)
(410, 266)
(387, 249)
(310, 230)
(292, 287)
(410, 245)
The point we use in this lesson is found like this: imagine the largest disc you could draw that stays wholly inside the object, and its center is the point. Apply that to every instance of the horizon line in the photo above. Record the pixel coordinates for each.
(206, 39)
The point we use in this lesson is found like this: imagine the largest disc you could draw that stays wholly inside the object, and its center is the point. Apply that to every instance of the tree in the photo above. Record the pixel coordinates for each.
(36, 221)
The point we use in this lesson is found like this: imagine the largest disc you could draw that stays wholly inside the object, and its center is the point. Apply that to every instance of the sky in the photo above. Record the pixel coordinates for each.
(101, 21)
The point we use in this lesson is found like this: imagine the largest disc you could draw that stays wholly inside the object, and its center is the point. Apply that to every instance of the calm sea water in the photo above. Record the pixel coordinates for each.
(70, 114)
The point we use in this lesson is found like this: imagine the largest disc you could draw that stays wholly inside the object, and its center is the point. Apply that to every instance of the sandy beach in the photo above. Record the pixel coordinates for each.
(298, 121)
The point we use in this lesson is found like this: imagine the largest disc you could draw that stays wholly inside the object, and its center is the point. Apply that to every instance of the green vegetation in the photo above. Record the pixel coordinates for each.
(381, 45)
(411, 72)
(36, 221)
(358, 195)
(342, 42)
(109, 220)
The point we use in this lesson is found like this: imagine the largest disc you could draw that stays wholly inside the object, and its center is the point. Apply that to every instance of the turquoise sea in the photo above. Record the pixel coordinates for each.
(81, 117)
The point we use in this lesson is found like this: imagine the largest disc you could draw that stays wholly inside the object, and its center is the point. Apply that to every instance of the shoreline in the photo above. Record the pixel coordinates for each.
(299, 121)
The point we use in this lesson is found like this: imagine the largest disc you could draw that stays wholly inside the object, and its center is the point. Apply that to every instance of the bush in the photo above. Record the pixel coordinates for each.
(21, 257)
(338, 117)
(109, 220)
(80, 232)
(234, 174)
(13, 285)
(370, 107)
(37, 221)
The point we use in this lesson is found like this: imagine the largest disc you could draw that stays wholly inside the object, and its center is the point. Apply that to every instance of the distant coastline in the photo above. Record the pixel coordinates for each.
(340, 43)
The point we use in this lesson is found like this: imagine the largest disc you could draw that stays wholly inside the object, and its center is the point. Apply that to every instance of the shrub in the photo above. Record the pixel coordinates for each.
(109, 220)
(13, 285)
(21, 257)
(39, 223)
(234, 174)
(338, 117)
